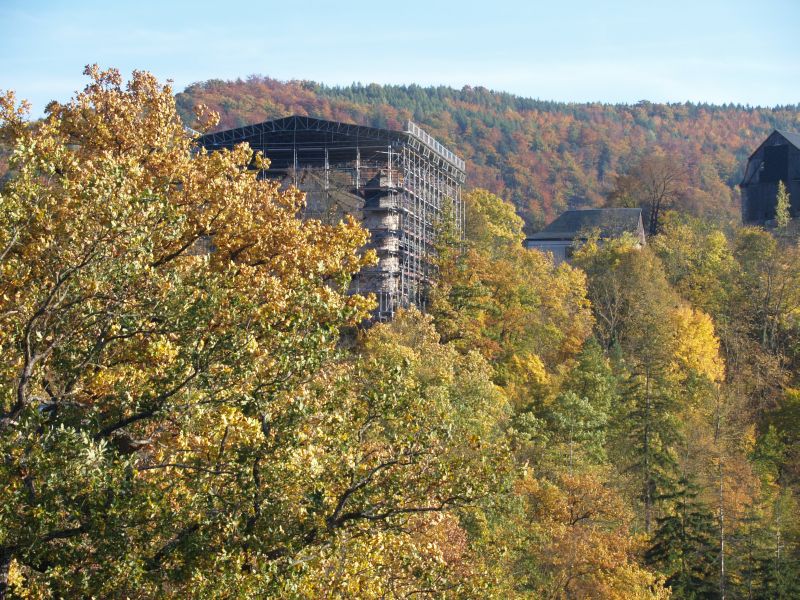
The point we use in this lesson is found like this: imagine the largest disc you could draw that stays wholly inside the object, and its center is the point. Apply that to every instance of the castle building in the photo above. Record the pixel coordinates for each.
(399, 184)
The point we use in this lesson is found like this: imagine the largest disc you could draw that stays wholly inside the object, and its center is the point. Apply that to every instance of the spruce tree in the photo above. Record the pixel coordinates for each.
(684, 545)
(777, 568)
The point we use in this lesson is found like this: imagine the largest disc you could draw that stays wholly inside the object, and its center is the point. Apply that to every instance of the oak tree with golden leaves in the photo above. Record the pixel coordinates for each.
(162, 311)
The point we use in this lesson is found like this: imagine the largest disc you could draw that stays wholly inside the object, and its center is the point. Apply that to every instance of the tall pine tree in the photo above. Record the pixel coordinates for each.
(684, 545)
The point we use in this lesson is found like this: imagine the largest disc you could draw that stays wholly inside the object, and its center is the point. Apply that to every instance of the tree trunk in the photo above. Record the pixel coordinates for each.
(778, 540)
(721, 538)
(648, 496)
(750, 566)
(721, 499)
(5, 566)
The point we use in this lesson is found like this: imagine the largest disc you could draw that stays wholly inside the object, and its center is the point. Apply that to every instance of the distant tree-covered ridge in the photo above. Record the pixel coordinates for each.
(544, 156)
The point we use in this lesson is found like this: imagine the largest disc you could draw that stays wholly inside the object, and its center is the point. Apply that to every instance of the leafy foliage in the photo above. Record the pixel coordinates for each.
(176, 416)
(782, 206)
(189, 406)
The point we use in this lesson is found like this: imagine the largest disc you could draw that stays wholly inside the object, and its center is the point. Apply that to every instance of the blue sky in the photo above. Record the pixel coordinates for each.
(613, 51)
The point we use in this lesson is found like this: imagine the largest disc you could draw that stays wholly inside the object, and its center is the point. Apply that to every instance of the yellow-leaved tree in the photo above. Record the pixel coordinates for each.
(508, 302)
(162, 311)
(178, 417)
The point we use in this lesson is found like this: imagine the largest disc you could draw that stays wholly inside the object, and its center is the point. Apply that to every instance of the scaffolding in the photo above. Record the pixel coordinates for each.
(397, 183)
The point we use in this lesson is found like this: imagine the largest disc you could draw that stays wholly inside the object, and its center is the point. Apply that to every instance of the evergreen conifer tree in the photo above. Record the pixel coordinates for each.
(684, 545)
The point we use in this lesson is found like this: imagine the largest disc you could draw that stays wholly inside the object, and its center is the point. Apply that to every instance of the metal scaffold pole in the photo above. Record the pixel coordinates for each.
(395, 182)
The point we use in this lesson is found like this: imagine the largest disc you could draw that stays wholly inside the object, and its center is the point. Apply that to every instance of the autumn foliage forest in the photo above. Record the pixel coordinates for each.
(542, 156)
(192, 407)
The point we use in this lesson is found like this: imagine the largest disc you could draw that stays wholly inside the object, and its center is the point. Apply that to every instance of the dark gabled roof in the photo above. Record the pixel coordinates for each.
(789, 136)
(611, 222)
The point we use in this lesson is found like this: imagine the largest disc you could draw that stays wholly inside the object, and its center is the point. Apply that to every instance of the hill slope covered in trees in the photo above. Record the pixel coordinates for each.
(544, 156)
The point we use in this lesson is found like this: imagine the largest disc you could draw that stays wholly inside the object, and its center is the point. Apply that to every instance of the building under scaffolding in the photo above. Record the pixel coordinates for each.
(397, 183)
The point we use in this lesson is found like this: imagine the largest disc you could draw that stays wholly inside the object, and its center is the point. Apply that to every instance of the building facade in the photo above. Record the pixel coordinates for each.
(573, 227)
(399, 184)
(776, 159)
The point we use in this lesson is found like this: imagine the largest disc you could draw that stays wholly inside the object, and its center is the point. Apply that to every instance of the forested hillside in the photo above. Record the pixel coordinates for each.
(544, 156)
